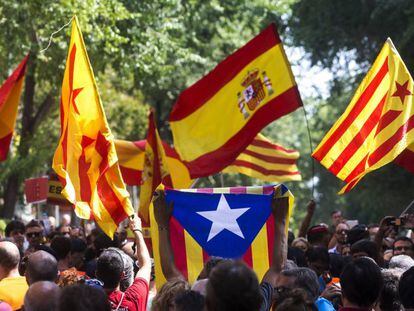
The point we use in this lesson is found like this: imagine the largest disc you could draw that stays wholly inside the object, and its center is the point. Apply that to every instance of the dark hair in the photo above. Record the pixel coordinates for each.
(335, 211)
(77, 245)
(189, 300)
(296, 300)
(369, 247)
(102, 241)
(61, 245)
(318, 253)
(405, 239)
(389, 299)
(405, 288)
(83, 298)
(211, 263)
(337, 264)
(109, 268)
(14, 225)
(9, 256)
(34, 223)
(297, 256)
(233, 286)
(291, 237)
(41, 266)
(356, 233)
(361, 282)
(317, 234)
(306, 279)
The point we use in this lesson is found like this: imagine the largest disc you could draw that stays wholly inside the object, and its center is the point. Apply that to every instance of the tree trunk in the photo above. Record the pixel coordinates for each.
(10, 196)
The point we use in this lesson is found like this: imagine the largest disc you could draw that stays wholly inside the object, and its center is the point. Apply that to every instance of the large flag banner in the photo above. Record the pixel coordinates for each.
(267, 161)
(10, 93)
(376, 126)
(85, 159)
(131, 156)
(227, 222)
(155, 168)
(215, 119)
(406, 159)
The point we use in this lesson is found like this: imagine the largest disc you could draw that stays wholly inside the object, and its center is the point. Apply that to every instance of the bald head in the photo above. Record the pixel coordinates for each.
(41, 266)
(42, 296)
(9, 256)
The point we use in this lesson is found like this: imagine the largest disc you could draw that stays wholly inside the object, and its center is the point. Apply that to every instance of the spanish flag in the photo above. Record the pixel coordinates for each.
(131, 162)
(9, 100)
(267, 161)
(377, 125)
(190, 256)
(85, 159)
(155, 168)
(215, 119)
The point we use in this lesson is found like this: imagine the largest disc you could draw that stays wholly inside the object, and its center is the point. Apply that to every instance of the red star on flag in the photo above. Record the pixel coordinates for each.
(402, 91)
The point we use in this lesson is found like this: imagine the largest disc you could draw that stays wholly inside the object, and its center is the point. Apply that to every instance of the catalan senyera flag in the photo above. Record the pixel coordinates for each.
(376, 126)
(406, 159)
(194, 238)
(215, 119)
(267, 161)
(85, 159)
(131, 156)
(155, 168)
(10, 93)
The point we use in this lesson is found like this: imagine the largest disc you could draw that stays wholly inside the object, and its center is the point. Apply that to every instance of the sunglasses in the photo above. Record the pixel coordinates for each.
(33, 234)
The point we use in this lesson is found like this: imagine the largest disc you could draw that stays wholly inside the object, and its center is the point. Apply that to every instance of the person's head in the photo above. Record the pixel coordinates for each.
(366, 248)
(318, 259)
(341, 233)
(373, 229)
(83, 297)
(233, 286)
(77, 252)
(109, 268)
(102, 241)
(403, 246)
(61, 246)
(15, 230)
(189, 300)
(127, 276)
(346, 250)
(291, 237)
(165, 298)
(297, 300)
(41, 266)
(357, 233)
(389, 299)
(65, 230)
(303, 278)
(402, 262)
(405, 289)
(34, 233)
(9, 258)
(318, 235)
(361, 283)
(337, 264)
(336, 217)
(42, 296)
(297, 256)
(209, 265)
(301, 243)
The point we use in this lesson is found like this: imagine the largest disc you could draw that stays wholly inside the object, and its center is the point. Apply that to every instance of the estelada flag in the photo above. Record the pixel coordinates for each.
(376, 126)
(265, 160)
(215, 119)
(406, 159)
(155, 168)
(245, 228)
(10, 93)
(131, 156)
(85, 159)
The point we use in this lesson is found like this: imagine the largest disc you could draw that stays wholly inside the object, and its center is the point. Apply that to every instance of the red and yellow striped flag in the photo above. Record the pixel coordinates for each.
(215, 119)
(376, 126)
(406, 159)
(85, 159)
(267, 161)
(155, 167)
(10, 93)
(131, 161)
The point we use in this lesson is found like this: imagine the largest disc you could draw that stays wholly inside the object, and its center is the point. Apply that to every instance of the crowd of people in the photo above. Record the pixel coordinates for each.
(342, 266)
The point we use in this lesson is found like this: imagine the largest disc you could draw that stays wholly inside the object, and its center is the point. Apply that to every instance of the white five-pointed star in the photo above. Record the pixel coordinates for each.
(224, 218)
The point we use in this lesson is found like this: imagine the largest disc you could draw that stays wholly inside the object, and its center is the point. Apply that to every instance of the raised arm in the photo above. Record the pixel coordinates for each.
(280, 207)
(142, 254)
(308, 218)
(162, 214)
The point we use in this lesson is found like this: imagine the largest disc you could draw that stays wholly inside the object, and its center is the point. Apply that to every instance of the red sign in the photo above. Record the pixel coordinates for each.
(36, 189)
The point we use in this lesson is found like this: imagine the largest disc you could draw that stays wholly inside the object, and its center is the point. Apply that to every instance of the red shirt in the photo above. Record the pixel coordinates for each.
(133, 299)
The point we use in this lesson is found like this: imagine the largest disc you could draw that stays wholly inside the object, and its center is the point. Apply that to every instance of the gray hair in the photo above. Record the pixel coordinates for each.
(403, 262)
(306, 279)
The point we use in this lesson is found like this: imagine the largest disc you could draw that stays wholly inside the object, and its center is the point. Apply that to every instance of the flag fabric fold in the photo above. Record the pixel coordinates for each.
(85, 159)
(215, 119)
(377, 125)
(155, 167)
(231, 222)
(406, 159)
(10, 92)
(267, 161)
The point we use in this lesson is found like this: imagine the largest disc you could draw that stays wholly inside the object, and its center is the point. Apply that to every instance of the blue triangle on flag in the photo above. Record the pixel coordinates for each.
(224, 225)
